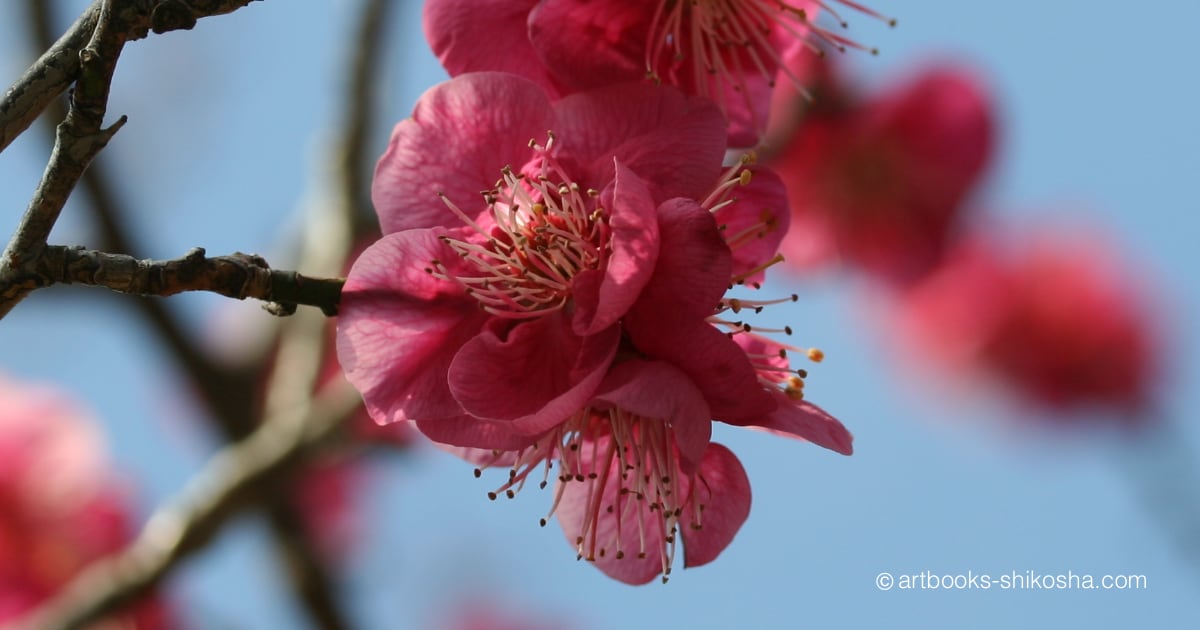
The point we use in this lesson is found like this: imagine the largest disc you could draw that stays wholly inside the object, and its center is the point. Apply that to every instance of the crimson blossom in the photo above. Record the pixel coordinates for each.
(879, 183)
(732, 51)
(564, 301)
(60, 507)
(1057, 320)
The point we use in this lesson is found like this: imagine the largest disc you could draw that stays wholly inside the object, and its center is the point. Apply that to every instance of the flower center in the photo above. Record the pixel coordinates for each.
(546, 230)
(627, 468)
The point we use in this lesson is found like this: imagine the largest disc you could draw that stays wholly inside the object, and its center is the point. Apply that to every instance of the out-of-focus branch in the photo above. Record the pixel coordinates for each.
(354, 168)
(237, 276)
(59, 66)
(231, 479)
(339, 219)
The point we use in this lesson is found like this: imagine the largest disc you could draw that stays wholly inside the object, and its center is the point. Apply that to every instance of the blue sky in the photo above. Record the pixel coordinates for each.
(1097, 126)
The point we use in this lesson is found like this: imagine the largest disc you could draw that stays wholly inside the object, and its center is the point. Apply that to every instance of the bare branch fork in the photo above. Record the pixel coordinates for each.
(238, 276)
(86, 55)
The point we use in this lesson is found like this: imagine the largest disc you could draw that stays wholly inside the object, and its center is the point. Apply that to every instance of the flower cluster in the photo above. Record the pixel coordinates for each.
(569, 266)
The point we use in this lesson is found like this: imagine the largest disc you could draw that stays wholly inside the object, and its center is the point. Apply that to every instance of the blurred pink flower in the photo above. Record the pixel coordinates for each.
(727, 51)
(60, 507)
(1058, 321)
(880, 182)
(484, 614)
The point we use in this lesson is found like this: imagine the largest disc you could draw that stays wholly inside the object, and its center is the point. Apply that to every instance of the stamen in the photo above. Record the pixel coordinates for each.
(741, 277)
(547, 231)
(767, 223)
(719, 44)
(600, 449)
(736, 175)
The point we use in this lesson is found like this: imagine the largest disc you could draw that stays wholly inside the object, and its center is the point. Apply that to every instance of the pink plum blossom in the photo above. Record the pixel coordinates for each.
(729, 51)
(1057, 320)
(505, 305)
(60, 507)
(575, 310)
(879, 183)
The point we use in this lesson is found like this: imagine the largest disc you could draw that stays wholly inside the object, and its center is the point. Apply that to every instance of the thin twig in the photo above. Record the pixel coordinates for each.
(77, 140)
(45, 80)
(50, 75)
(237, 276)
(81, 135)
(99, 191)
(231, 479)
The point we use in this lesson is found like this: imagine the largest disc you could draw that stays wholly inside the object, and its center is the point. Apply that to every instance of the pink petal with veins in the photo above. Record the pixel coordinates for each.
(455, 144)
(400, 327)
(534, 374)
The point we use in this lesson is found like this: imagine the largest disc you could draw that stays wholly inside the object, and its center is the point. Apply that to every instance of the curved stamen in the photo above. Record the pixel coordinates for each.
(547, 230)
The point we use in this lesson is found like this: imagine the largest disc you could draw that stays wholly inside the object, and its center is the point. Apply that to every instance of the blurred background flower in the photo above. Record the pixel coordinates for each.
(61, 505)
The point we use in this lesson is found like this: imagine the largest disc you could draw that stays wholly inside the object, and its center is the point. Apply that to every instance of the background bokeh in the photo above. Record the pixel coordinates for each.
(230, 122)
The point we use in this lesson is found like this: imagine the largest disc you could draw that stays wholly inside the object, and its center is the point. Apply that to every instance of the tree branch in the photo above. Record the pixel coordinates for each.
(58, 67)
(232, 477)
(81, 135)
(237, 276)
(98, 188)
(45, 79)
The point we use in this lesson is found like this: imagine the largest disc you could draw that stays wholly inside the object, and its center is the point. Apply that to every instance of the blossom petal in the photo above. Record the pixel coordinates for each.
(723, 490)
(656, 390)
(693, 268)
(588, 44)
(602, 299)
(455, 30)
(455, 144)
(468, 432)
(533, 374)
(716, 364)
(399, 327)
(675, 143)
(802, 419)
